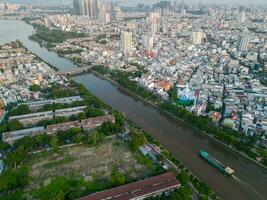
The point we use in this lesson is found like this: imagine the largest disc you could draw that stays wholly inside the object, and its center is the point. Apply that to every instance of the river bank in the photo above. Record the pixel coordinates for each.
(179, 120)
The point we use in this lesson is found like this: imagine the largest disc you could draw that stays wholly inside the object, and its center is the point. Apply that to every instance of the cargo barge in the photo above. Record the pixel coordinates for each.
(227, 171)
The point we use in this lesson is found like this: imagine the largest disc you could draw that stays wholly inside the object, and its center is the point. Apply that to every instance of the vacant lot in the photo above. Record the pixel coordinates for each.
(91, 163)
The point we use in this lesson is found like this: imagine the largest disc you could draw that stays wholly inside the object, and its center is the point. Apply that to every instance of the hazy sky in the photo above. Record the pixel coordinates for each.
(134, 2)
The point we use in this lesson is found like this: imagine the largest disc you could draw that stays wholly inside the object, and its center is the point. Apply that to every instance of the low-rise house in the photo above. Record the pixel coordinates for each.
(92, 123)
(34, 118)
(12, 136)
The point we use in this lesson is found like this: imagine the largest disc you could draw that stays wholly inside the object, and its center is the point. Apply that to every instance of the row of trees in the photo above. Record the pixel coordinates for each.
(123, 80)
(238, 140)
(11, 126)
(69, 51)
(20, 110)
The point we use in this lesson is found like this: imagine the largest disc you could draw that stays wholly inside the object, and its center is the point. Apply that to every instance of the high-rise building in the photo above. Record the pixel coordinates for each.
(116, 14)
(162, 5)
(86, 7)
(153, 17)
(102, 14)
(126, 42)
(76, 7)
(148, 41)
(243, 42)
(46, 22)
(197, 37)
(154, 28)
(107, 18)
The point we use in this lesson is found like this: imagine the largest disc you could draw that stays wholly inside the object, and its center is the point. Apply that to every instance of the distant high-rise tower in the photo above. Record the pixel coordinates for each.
(86, 7)
(126, 42)
(153, 17)
(76, 6)
(197, 37)
(154, 28)
(102, 14)
(243, 42)
(148, 41)
(117, 14)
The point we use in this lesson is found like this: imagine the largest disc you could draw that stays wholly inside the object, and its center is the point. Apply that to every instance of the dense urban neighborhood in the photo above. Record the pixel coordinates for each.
(201, 65)
(211, 63)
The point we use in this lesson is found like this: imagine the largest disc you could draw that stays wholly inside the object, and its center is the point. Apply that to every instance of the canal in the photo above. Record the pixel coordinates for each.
(250, 181)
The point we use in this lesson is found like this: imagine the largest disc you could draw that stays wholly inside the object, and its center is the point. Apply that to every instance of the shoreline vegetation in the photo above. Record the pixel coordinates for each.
(47, 38)
(16, 178)
(98, 70)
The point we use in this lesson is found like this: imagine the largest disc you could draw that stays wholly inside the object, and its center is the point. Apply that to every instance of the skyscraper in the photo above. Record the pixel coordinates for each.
(243, 42)
(154, 28)
(76, 7)
(148, 41)
(86, 7)
(126, 42)
(102, 14)
(197, 37)
(117, 14)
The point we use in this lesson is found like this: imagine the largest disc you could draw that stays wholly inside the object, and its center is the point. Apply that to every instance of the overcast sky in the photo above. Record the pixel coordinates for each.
(134, 2)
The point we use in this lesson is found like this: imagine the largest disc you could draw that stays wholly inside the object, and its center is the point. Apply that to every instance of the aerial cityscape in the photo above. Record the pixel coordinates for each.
(120, 100)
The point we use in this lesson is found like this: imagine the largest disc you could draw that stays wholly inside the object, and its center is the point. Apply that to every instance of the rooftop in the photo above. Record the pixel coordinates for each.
(137, 189)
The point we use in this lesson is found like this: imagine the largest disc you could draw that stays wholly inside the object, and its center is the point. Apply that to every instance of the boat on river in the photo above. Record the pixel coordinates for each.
(216, 163)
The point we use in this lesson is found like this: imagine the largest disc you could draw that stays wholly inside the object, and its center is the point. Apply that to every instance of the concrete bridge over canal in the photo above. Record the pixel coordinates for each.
(74, 71)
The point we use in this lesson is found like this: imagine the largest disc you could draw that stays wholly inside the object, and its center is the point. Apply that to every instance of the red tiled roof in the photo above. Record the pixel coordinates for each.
(137, 189)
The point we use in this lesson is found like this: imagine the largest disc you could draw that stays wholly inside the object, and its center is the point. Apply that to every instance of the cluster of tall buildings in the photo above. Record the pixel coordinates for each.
(104, 12)
(86, 7)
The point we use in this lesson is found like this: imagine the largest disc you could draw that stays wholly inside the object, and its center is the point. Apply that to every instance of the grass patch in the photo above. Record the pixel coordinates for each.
(89, 163)
(59, 162)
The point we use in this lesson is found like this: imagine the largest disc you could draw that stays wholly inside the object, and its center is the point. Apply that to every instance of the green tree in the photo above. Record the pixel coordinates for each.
(176, 195)
(54, 143)
(4, 127)
(35, 88)
(94, 112)
(12, 179)
(78, 138)
(94, 137)
(59, 196)
(117, 178)
(137, 139)
(15, 125)
(183, 178)
(16, 195)
(15, 158)
(60, 188)
(20, 110)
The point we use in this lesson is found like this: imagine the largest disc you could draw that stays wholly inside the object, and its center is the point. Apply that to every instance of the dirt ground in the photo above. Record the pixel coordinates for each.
(87, 162)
